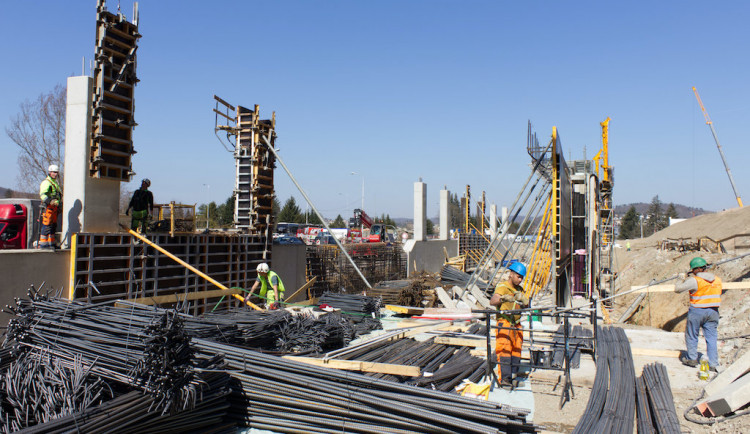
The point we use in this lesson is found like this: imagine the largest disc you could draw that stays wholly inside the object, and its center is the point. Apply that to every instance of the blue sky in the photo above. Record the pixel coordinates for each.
(402, 90)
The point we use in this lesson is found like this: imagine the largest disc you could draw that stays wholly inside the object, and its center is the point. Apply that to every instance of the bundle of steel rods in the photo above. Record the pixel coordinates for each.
(611, 406)
(360, 305)
(134, 411)
(145, 349)
(656, 411)
(451, 276)
(292, 397)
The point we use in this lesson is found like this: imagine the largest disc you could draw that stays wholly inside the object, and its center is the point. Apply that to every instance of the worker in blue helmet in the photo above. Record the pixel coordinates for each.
(509, 295)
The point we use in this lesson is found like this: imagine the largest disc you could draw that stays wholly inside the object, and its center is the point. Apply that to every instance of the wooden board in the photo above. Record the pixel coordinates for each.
(654, 352)
(445, 298)
(731, 373)
(733, 397)
(361, 366)
(407, 310)
(482, 299)
(461, 341)
(668, 287)
(174, 298)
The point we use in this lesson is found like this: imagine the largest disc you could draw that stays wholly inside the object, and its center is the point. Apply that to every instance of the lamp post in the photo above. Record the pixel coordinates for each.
(208, 206)
(362, 226)
(641, 225)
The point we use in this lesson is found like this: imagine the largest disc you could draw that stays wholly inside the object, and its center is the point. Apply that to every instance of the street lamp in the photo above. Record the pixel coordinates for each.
(363, 188)
(208, 207)
(641, 225)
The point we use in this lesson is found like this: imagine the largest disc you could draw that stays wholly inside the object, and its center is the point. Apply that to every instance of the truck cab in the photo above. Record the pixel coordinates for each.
(19, 223)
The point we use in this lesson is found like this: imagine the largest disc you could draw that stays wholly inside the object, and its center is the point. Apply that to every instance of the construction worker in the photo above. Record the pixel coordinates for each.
(703, 313)
(267, 278)
(509, 295)
(51, 195)
(142, 203)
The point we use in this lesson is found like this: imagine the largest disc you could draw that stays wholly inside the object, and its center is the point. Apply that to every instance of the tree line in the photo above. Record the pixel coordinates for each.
(655, 219)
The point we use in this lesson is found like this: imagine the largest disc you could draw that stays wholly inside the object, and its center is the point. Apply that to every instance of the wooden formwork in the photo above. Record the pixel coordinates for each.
(108, 267)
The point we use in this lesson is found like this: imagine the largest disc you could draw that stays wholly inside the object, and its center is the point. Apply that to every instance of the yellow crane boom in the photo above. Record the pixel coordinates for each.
(718, 146)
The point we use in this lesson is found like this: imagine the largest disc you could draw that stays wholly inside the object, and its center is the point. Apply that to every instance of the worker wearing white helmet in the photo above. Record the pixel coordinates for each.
(51, 195)
(142, 203)
(267, 278)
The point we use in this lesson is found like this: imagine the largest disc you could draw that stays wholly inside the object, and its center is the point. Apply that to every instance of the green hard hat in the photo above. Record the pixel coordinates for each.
(697, 263)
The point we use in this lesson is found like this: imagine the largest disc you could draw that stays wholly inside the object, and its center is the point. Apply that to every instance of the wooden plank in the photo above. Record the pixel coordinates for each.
(655, 352)
(731, 373)
(463, 342)
(303, 287)
(479, 295)
(667, 287)
(173, 298)
(361, 366)
(445, 298)
(408, 310)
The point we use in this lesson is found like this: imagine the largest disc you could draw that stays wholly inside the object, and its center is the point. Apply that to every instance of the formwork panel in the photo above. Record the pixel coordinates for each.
(113, 266)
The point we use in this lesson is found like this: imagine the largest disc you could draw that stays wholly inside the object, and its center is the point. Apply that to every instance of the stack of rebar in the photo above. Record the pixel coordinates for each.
(656, 411)
(287, 396)
(611, 406)
(389, 290)
(359, 305)
(450, 276)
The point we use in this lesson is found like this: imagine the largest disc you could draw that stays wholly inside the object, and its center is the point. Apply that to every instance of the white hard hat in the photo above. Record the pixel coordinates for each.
(262, 268)
(53, 168)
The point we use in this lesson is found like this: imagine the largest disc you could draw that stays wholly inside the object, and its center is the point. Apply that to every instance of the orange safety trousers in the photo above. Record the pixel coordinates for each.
(49, 226)
(508, 342)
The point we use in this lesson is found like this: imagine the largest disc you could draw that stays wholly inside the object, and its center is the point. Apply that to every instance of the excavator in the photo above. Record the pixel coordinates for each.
(379, 233)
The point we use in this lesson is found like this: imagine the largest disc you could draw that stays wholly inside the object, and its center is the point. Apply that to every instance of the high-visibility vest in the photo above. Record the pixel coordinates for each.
(265, 286)
(708, 293)
(50, 188)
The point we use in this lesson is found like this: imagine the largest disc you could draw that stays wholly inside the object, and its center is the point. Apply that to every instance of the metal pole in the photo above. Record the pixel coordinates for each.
(299, 187)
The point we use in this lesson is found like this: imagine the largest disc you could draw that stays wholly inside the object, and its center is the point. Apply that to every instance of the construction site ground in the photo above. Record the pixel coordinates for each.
(656, 328)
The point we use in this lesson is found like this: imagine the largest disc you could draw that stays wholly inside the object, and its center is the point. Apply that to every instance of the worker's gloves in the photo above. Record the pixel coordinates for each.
(682, 276)
(54, 202)
(521, 298)
(274, 306)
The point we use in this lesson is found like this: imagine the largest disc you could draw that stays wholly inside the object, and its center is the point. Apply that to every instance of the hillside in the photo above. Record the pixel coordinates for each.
(683, 211)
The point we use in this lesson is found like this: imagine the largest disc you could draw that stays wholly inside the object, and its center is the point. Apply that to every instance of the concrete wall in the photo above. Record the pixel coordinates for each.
(289, 263)
(428, 255)
(22, 268)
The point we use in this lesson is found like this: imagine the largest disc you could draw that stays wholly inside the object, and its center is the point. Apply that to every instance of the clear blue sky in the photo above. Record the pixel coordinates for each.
(398, 90)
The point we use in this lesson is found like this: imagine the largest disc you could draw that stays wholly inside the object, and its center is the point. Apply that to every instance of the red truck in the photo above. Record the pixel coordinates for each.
(19, 223)
(379, 233)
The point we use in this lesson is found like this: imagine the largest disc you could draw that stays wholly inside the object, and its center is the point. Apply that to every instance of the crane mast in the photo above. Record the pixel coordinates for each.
(718, 146)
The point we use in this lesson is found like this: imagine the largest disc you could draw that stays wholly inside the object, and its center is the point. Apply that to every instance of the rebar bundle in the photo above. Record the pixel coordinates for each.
(361, 305)
(451, 276)
(145, 349)
(656, 411)
(291, 397)
(611, 406)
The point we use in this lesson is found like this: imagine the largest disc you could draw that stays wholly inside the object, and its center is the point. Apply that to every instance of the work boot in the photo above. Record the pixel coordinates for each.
(688, 362)
(716, 369)
(506, 383)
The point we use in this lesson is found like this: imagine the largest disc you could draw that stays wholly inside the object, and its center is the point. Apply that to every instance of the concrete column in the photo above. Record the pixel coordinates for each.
(504, 217)
(493, 220)
(89, 204)
(420, 210)
(444, 224)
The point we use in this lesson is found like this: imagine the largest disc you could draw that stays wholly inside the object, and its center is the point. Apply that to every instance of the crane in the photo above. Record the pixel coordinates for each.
(723, 159)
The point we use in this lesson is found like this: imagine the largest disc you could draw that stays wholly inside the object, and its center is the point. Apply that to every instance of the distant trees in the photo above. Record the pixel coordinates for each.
(656, 220)
(384, 219)
(429, 227)
(629, 225)
(339, 222)
(39, 130)
(290, 212)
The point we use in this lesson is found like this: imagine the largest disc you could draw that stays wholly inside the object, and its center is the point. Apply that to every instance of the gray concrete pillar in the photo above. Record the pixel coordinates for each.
(504, 218)
(420, 210)
(89, 204)
(493, 220)
(444, 224)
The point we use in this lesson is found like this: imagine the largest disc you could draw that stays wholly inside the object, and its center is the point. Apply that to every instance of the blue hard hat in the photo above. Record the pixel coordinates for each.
(518, 268)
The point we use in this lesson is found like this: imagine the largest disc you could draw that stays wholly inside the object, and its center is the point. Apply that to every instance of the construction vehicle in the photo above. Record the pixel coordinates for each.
(379, 232)
(19, 223)
(718, 146)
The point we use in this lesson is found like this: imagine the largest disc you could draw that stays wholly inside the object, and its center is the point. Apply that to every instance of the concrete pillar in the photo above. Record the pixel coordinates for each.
(444, 224)
(89, 204)
(504, 217)
(420, 210)
(493, 220)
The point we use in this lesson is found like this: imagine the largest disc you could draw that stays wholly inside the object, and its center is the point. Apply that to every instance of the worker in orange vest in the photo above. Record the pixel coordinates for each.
(703, 313)
(509, 295)
(51, 195)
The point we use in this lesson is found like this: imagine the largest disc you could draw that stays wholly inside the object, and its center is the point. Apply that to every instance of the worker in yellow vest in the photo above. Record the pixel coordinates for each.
(703, 313)
(267, 278)
(509, 295)
(51, 195)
